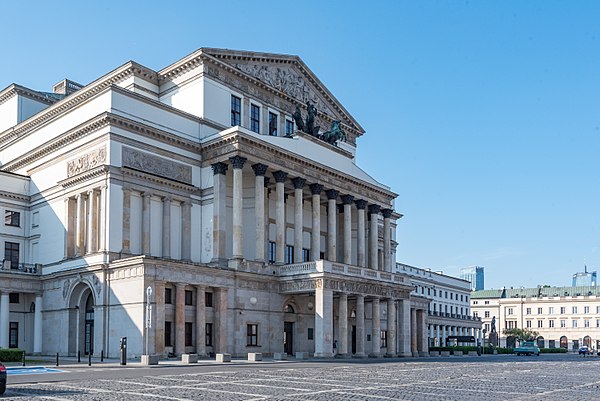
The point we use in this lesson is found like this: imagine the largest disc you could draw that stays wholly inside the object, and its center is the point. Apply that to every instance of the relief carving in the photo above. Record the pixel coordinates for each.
(156, 165)
(86, 162)
(66, 285)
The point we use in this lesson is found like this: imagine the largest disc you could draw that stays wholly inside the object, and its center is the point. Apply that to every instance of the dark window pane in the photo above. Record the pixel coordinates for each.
(13, 298)
(168, 334)
(208, 332)
(208, 299)
(11, 253)
(255, 118)
(13, 336)
(188, 334)
(236, 110)
(272, 124)
(188, 297)
(168, 296)
(289, 127)
(311, 333)
(12, 218)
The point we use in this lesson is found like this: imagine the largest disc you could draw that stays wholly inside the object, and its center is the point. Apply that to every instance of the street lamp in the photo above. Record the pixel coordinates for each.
(484, 332)
(148, 324)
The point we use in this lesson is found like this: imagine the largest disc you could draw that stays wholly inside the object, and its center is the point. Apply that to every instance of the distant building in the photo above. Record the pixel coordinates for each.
(584, 278)
(474, 275)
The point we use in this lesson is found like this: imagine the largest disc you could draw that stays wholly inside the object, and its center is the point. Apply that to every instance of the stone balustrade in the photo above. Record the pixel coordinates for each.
(325, 266)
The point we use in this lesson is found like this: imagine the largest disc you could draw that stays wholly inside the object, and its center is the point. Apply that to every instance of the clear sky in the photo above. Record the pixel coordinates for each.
(483, 116)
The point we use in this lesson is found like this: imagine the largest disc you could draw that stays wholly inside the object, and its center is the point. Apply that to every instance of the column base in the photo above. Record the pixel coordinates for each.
(390, 355)
(359, 355)
(415, 354)
(235, 263)
(405, 354)
(423, 354)
(374, 355)
(343, 356)
(324, 355)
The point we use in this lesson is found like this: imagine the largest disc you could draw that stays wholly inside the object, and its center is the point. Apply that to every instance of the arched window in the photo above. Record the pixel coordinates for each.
(587, 341)
(540, 342)
(288, 309)
(564, 342)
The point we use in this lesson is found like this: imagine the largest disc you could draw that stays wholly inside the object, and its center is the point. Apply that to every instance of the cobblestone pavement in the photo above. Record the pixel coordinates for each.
(509, 378)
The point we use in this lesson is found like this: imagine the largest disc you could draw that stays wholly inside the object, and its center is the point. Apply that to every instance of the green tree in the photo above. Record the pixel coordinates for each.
(521, 334)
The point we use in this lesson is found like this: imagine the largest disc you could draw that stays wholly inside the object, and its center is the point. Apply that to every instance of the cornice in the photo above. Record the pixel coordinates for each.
(84, 176)
(157, 180)
(14, 196)
(14, 89)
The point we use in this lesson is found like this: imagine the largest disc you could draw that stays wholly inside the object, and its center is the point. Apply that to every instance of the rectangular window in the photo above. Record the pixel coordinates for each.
(189, 327)
(586, 323)
(11, 253)
(236, 110)
(574, 310)
(272, 253)
(528, 324)
(35, 219)
(563, 310)
(383, 339)
(289, 254)
(551, 324)
(255, 118)
(528, 311)
(540, 324)
(208, 299)
(305, 255)
(510, 311)
(486, 302)
(311, 333)
(539, 311)
(252, 334)
(551, 310)
(272, 124)
(574, 323)
(168, 293)
(168, 342)
(13, 298)
(586, 309)
(289, 127)
(487, 327)
(13, 335)
(563, 323)
(209, 335)
(188, 297)
(597, 322)
(487, 313)
(12, 218)
(598, 309)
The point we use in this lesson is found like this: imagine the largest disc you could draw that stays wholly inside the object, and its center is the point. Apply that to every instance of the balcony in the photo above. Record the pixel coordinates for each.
(325, 266)
(21, 268)
(455, 316)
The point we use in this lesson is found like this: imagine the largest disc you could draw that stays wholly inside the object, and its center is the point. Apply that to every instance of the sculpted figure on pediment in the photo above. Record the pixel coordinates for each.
(86, 162)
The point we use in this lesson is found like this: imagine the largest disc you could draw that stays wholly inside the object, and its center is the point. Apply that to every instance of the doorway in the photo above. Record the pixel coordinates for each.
(288, 338)
(354, 339)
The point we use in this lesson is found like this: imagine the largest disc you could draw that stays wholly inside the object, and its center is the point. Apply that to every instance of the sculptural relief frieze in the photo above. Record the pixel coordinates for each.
(156, 165)
(86, 162)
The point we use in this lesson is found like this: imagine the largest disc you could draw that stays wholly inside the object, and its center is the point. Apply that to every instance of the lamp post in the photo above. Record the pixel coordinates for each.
(148, 324)
(484, 332)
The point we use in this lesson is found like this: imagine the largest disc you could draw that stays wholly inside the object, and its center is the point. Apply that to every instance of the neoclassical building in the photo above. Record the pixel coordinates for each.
(220, 182)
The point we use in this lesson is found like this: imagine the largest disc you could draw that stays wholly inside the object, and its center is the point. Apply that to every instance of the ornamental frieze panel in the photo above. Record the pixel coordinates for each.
(156, 165)
(349, 287)
(86, 162)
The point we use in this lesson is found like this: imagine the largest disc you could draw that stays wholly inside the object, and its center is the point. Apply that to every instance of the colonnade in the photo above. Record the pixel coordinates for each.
(86, 229)
(5, 322)
(261, 196)
(438, 333)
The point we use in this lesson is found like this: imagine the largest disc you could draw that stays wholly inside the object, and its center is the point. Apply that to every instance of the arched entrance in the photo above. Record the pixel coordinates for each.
(81, 320)
(564, 342)
(541, 342)
(289, 318)
(587, 341)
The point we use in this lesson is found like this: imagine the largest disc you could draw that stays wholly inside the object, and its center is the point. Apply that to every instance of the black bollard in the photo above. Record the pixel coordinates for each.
(78, 356)
(23, 358)
(57, 359)
(89, 359)
(102, 356)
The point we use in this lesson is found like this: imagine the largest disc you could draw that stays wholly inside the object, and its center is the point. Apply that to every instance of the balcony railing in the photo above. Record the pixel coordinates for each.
(325, 266)
(27, 268)
(455, 316)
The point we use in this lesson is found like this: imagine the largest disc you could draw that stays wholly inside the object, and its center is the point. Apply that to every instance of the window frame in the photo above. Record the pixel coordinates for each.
(168, 334)
(189, 297)
(168, 296)
(208, 334)
(255, 118)
(236, 112)
(189, 334)
(273, 123)
(252, 335)
(12, 218)
(11, 253)
(289, 127)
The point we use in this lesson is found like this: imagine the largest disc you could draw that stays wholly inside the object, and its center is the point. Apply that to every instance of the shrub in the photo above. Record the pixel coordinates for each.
(11, 355)
(552, 351)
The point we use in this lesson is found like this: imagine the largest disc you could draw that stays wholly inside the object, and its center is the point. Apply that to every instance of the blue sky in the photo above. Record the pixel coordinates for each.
(482, 116)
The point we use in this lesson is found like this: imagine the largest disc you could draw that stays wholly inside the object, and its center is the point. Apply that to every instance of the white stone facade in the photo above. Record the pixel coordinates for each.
(192, 180)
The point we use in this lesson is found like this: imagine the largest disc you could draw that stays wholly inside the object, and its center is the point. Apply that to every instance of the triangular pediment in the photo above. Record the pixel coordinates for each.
(289, 75)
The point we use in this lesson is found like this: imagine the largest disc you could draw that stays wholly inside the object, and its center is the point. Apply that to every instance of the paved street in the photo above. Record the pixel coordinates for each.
(505, 377)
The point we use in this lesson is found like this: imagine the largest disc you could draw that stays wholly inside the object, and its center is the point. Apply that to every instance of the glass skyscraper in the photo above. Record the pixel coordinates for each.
(474, 275)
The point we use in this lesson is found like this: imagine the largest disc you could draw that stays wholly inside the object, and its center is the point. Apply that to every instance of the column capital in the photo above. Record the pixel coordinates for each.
(347, 199)
(167, 198)
(219, 168)
(180, 285)
(361, 204)
(237, 162)
(374, 209)
(332, 194)
(298, 182)
(259, 169)
(146, 194)
(387, 213)
(316, 189)
(280, 176)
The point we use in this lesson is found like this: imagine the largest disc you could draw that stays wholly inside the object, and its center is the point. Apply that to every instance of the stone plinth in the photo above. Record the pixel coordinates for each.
(458, 353)
(149, 360)
(223, 358)
(444, 353)
(473, 353)
(301, 355)
(189, 358)
(434, 353)
(278, 356)
(254, 356)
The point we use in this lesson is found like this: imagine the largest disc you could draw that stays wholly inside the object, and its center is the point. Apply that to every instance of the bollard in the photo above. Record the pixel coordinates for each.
(89, 359)
(57, 359)
(23, 358)
(78, 356)
(102, 356)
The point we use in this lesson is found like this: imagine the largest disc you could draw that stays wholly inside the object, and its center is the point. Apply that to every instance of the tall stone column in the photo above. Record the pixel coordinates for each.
(343, 324)
(126, 235)
(166, 227)
(103, 238)
(332, 195)
(298, 218)
(70, 223)
(159, 313)
(4, 314)
(280, 177)
(179, 318)
(323, 322)
(443, 339)
(238, 203)
(80, 234)
(413, 332)
(422, 346)
(92, 222)
(404, 325)
(259, 211)
(315, 236)
(348, 200)
(391, 327)
(219, 208)
(387, 240)
(360, 326)
(37, 325)
(374, 237)
(361, 204)
(200, 320)
(266, 244)
(221, 319)
(376, 329)
(146, 223)
(186, 230)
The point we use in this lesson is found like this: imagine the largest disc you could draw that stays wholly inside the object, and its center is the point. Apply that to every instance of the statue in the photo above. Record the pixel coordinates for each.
(298, 119)
(334, 134)
(493, 325)
(308, 125)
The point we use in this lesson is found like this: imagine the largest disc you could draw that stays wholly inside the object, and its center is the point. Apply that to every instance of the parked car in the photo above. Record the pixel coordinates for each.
(2, 378)
(527, 348)
(585, 350)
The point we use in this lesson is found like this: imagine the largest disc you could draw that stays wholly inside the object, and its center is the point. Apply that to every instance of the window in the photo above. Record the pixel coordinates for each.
(511, 324)
(188, 297)
(597, 322)
(540, 311)
(11, 253)
(311, 333)
(486, 302)
(168, 293)
(563, 323)
(289, 127)
(383, 339)
(435, 295)
(35, 219)
(461, 297)
(551, 310)
(487, 327)
(529, 324)
(487, 313)
(236, 110)
(12, 218)
(188, 334)
(255, 118)
(289, 254)
(13, 335)
(586, 309)
(272, 124)
(540, 324)
(509, 311)
(528, 311)
(563, 310)
(598, 309)
(450, 295)
(168, 342)
(551, 324)
(272, 253)
(574, 322)
(574, 310)
(305, 254)
(208, 299)
(209, 335)
(586, 323)
(13, 298)
(252, 334)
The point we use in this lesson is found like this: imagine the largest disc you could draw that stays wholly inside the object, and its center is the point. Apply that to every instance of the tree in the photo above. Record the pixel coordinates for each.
(521, 334)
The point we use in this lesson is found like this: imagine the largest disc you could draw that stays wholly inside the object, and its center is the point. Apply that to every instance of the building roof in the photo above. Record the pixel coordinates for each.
(537, 292)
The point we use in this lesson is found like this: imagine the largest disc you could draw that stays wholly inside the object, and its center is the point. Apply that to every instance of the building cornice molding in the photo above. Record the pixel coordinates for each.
(14, 90)
(100, 171)
(14, 196)
(157, 181)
